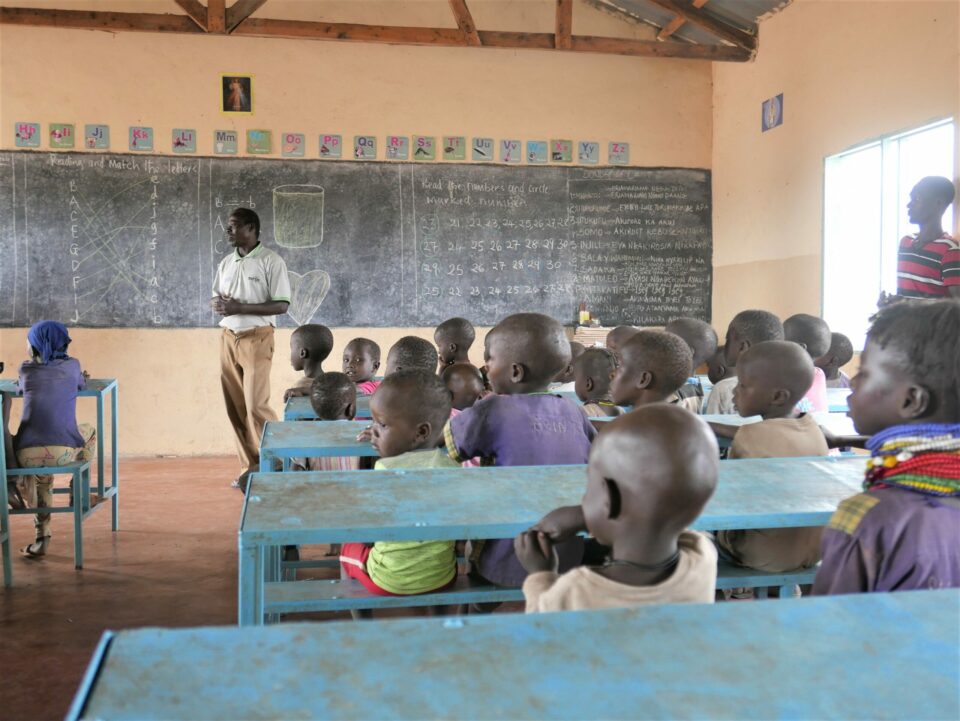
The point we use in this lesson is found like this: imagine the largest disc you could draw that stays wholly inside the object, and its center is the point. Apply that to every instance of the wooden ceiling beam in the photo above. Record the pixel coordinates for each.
(267, 27)
(98, 20)
(670, 28)
(695, 16)
(564, 25)
(657, 49)
(240, 11)
(465, 22)
(196, 11)
(216, 17)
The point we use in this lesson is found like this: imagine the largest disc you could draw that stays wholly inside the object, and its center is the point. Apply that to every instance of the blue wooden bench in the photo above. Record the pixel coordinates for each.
(339, 507)
(876, 656)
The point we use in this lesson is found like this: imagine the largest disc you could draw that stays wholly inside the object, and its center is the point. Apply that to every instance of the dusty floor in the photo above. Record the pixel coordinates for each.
(173, 563)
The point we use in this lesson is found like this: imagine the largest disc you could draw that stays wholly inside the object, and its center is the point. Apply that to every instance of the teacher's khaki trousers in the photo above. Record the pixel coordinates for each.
(245, 360)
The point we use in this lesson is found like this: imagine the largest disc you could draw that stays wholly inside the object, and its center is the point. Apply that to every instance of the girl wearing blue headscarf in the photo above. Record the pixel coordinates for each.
(48, 433)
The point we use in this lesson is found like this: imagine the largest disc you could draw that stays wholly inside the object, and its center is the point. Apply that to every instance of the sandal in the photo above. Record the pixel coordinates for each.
(36, 549)
(14, 499)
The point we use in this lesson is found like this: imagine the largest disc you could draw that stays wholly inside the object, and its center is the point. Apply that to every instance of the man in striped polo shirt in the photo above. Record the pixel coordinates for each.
(250, 289)
(928, 263)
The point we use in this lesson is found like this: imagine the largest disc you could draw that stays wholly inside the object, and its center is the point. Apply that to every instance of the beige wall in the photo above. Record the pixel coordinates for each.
(169, 379)
(849, 71)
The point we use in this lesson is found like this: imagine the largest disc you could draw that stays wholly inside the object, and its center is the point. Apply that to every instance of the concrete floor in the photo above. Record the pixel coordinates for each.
(173, 563)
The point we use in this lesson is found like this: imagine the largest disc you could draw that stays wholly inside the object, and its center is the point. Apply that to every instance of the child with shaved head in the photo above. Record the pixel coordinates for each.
(813, 335)
(840, 353)
(747, 328)
(772, 377)
(411, 353)
(564, 382)
(617, 337)
(651, 472)
(522, 424)
(593, 372)
(310, 345)
(653, 366)
(702, 339)
(453, 338)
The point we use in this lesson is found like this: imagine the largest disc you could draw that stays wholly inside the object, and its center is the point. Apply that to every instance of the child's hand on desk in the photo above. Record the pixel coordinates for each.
(535, 552)
(295, 392)
(366, 434)
(561, 523)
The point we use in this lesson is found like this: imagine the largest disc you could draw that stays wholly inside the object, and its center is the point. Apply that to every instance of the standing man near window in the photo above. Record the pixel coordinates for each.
(928, 263)
(250, 289)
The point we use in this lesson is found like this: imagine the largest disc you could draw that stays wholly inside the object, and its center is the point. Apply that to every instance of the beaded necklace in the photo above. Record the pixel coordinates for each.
(924, 458)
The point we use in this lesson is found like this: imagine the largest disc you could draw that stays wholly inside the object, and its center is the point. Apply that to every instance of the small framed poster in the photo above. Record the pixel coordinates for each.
(140, 138)
(618, 153)
(236, 94)
(294, 145)
(772, 113)
(259, 142)
(454, 147)
(364, 147)
(96, 137)
(225, 142)
(561, 151)
(588, 152)
(184, 140)
(61, 135)
(398, 147)
(511, 151)
(537, 151)
(331, 146)
(27, 135)
(482, 149)
(424, 147)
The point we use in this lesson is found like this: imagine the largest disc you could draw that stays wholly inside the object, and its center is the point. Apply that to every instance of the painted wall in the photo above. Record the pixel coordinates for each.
(849, 72)
(169, 379)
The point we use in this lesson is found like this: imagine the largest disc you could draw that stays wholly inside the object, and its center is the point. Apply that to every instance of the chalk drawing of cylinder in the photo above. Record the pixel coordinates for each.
(298, 215)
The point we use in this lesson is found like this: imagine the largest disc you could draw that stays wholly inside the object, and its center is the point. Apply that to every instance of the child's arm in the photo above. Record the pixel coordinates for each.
(562, 523)
(535, 552)
(723, 430)
(301, 389)
(837, 441)
(11, 457)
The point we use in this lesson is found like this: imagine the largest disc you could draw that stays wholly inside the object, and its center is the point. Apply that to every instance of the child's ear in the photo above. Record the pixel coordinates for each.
(613, 501)
(588, 383)
(781, 397)
(916, 403)
(517, 372)
(644, 380)
(423, 431)
(376, 365)
(350, 411)
(452, 348)
(304, 353)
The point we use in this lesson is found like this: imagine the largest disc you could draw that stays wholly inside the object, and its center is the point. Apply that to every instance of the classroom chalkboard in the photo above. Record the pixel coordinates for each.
(102, 240)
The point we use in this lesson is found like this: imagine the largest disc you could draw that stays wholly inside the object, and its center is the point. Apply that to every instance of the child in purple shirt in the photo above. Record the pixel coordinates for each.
(48, 433)
(522, 425)
(903, 531)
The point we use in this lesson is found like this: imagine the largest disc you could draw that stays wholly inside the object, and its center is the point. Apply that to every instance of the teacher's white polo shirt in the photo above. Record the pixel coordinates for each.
(260, 276)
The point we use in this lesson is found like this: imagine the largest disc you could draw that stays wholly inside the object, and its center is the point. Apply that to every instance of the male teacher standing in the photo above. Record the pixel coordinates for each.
(928, 263)
(250, 289)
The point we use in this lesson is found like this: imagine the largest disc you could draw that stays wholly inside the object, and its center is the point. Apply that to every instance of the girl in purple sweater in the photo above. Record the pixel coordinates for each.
(48, 433)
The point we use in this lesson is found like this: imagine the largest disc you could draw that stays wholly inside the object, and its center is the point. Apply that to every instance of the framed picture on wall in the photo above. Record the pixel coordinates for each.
(237, 94)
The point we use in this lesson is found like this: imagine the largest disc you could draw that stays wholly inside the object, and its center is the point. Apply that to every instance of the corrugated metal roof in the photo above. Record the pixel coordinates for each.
(740, 14)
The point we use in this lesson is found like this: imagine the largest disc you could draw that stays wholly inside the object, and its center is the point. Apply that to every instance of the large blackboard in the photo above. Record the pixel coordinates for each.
(128, 240)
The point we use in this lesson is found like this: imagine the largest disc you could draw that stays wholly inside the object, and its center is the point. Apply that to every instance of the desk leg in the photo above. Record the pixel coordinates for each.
(272, 573)
(5, 526)
(250, 585)
(114, 461)
(100, 442)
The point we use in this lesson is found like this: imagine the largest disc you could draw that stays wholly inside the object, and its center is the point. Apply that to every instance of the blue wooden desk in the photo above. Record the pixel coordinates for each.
(298, 408)
(837, 399)
(284, 440)
(867, 656)
(342, 506)
(98, 388)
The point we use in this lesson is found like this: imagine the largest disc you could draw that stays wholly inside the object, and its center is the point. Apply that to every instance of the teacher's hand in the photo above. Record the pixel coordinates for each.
(225, 306)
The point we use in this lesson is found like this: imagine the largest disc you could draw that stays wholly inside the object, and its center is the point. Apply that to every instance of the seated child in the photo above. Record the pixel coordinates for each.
(592, 372)
(361, 360)
(702, 339)
(334, 398)
(309, 347)
(747, 328)
(617, 337)
(564, 382)
(717, 369)
(772, 378)
(813, 335)
(522, 425)
(903, 531)
(453, 338)
(640, 499)
(465, 384)
(411, 353)
(653, 366)
(409, 411)
(840, 353)
(48, 433)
